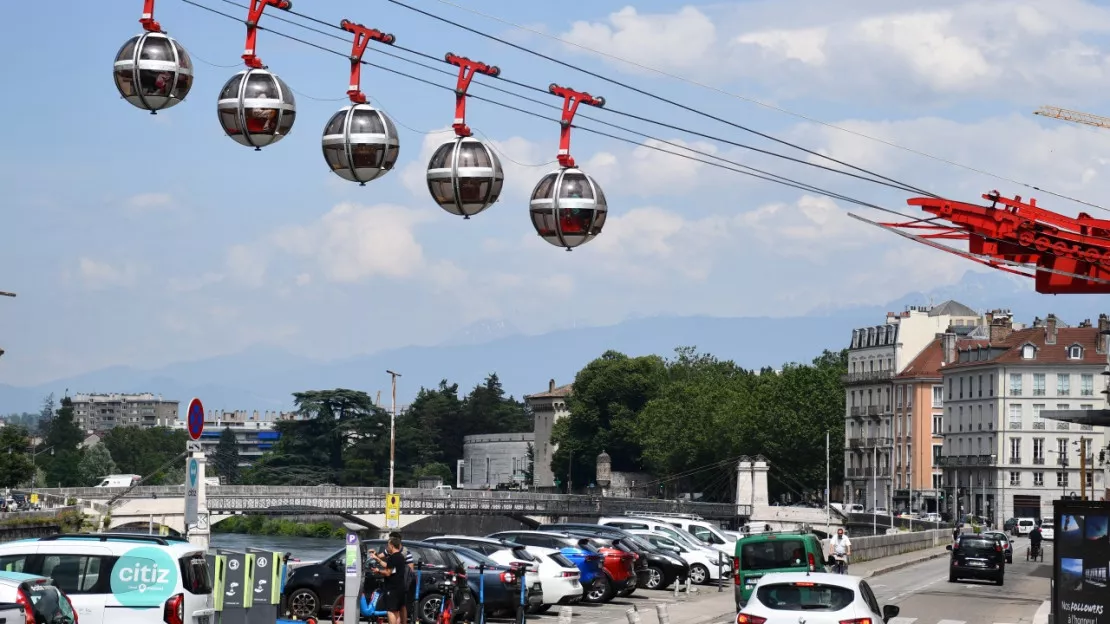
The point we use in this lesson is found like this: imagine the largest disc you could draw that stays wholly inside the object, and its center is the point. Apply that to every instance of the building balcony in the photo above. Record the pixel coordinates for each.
(856, 411)
(873, 410)
(870, 377)
(862, 443)
(968, 461)
(866, 473)
(1038, 424)
(1038, 461)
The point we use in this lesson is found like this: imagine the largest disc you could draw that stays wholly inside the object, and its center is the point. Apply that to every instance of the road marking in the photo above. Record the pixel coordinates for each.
(902, 620)
(952, 622)
(1041, 616)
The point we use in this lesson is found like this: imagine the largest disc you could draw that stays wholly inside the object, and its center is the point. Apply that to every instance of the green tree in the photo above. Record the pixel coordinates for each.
(608, 396)
(530, 467)
(156, 454)
(63, 439)
(15, 462)
(226, 458)
(96, 464)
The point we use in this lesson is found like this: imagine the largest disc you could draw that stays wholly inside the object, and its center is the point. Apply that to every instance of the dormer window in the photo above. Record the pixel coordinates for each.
(1028, 352)
(1075, 352)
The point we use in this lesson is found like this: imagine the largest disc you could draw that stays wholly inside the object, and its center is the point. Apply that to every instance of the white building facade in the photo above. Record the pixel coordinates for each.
(876, 354)
(1001, 457)
(547, 407)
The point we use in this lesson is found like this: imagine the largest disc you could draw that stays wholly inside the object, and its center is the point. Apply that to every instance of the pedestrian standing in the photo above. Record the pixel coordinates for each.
(394, 569)
(410, 577)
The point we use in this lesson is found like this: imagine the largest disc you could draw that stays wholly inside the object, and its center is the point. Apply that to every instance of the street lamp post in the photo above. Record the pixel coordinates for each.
(393, 430)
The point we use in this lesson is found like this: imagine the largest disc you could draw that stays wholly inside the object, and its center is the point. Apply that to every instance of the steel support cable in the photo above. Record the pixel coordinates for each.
(546, 103)
(769, 106)
(782, 180)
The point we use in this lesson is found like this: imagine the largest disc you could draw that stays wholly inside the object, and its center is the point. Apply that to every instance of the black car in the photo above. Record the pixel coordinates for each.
(312, 589)
(501, 589)
(655, 568)
(1005, 541)
(977, 557)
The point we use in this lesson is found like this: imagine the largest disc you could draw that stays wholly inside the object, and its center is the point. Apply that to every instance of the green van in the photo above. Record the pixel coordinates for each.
(763, 553)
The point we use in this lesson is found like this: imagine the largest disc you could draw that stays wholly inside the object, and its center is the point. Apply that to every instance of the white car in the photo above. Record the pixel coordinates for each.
(813, 598)
(706, 532)
(557, 575)
(706, 565)
(1048, 529)
(22, 593)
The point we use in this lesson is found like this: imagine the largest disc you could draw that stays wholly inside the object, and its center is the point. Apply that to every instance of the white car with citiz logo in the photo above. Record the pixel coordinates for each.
(120, 578)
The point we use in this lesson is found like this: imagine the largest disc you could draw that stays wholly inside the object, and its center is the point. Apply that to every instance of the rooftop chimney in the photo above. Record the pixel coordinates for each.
(948, 345)
(1085, 323)
(551, 386)
(1050, 330)
(1104, 333)
(1001, 327)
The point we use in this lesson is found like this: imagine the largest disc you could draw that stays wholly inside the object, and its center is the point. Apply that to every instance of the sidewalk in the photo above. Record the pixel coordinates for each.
(713, 606)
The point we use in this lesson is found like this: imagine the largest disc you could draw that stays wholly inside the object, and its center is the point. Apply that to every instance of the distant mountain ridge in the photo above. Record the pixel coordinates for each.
(264, 378)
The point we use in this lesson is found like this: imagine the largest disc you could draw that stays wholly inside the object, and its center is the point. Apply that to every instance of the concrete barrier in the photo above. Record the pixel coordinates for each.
(879, 546)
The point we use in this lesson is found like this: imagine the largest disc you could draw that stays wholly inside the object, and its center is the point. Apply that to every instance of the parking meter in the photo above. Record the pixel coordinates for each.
(353, 581)
(266, 594)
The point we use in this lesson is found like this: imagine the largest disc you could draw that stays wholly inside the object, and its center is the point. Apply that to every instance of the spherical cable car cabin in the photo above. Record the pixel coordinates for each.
(568, 208)
(256, 108)
(465, 176)
(360, 143)
(153, 72)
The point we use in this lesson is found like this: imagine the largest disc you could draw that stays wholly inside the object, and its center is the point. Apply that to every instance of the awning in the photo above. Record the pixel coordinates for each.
(1095, 418)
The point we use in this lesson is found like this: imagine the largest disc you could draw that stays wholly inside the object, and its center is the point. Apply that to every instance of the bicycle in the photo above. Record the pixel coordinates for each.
(840, 564)
(1034, 553)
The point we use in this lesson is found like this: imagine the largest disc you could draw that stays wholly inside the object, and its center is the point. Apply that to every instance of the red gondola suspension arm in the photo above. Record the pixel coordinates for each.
(254, 14)
(467, 69)
(571, 100)
(363, 37)
(147, 20)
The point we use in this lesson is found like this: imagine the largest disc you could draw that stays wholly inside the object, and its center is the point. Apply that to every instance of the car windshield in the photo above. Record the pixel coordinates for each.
(639, 543)
(48, 604)
(772, 554)
(474, 558)
(805, 597)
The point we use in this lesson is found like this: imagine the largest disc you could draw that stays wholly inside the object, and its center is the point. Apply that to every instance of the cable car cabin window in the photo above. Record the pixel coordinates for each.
(575, 186)
(287, 119)
(496, 192)
(127, 51)
(544, 222)
(441, 159)
(13, 563)
(805, 597)
(125, 82)
(772, 555)
(229, 119)
(286, 92)
(335, 124)
(183, 60)
(392, 152)
(367, 155)
(389, 126)
(599, 219)
(473, 155)
(575, 220)
(366, 122)
(184, 84)
(231, 89)
(156, 81)
(336, 155)
(601, 201)
(543, 189)
(156, 49)
(473, 191)
(194, 574)
(443, 191)
(261, 120)
(260, 87)
(79, 574)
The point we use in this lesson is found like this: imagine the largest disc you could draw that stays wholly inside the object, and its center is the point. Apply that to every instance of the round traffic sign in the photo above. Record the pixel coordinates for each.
(195, 419)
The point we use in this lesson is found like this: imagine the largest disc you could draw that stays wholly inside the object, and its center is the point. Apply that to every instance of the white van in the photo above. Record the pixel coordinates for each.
(123, 480)
(707, 532)
(120, 578)
(1024, 526)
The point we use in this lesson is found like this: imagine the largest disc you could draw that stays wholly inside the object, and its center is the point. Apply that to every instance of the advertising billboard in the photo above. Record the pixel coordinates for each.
(1081, 561)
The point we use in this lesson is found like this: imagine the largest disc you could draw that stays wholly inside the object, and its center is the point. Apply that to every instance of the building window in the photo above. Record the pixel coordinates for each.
(938, 425)
(980, 385)
(1090, 479)
(1015, 415)
(1015, 384)
(1075, 352)
(1038, 479)
(1086, 385)
(898, 400)
(1038, 451)
(1061, 425)
(1061, 479)
(1015, 450)
(1015, 478)
(1028, 352)
(1063, 384)
(1038, 420)
(937, 480)
(1038, 384)
(938, 396)
(961, 387)
(992, 384)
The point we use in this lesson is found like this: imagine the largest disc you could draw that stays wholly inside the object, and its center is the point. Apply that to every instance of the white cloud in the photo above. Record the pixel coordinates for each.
(247, 264)
(678, 40)
(149, 202)
(100, 275)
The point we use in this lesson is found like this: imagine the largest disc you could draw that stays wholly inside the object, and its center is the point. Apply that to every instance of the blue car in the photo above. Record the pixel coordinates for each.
(579, 550)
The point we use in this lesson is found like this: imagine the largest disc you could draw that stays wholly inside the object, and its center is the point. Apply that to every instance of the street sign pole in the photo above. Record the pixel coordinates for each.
(353, 574)
(196, 503)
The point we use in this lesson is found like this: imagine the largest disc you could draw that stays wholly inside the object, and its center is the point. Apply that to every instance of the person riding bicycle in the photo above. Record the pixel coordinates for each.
(841, 548)
(1035, 538)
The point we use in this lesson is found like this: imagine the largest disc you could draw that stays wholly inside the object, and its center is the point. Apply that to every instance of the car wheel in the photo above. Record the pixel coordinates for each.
(544, 608)
(952, 578)
(654, 579)
(1000, 580)
(304, 603)
(601, 590)
(428, 608)
(699, 574)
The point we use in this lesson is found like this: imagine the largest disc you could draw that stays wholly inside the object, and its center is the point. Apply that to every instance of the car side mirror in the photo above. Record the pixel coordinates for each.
(948, 547)
(890, 611)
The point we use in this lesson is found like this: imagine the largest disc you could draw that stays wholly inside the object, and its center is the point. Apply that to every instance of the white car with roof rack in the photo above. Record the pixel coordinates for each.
(706, 565)
(813, 598)
(695, 525)
(120, 578)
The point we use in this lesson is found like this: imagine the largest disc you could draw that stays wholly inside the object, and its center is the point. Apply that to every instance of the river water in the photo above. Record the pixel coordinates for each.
(303, 548)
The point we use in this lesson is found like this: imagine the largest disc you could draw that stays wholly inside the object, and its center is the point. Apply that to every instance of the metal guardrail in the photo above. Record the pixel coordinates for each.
(281, 499)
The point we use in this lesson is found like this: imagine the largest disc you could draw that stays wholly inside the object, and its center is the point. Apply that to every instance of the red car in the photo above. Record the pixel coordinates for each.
(619, 566)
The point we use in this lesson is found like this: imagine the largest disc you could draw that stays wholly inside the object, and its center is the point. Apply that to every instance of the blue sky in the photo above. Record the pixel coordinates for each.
(143, 240)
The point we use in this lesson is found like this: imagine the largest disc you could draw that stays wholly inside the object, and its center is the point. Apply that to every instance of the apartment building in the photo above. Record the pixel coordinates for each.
(101, 412)
(1001, 458)
(254, 431)
(875, 356)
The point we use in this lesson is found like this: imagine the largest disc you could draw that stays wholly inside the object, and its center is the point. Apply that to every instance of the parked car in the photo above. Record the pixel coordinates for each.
(656, 568)
(976, 557)
(102, 574)
(557, 575)
(817, 598)
(1048, 529)
(702, 569)
(618, 563)
(34, 596)
(1024, 526)
(1007, 544)
(597, 586)
(767, 553)
(499, 583)
(632, 523)
(707, 532)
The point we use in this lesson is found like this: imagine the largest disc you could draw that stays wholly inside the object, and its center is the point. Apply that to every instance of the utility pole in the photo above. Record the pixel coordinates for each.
(828, 492)
(875, 490)
(393, 430)
(1083, 467)
(570, 472)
